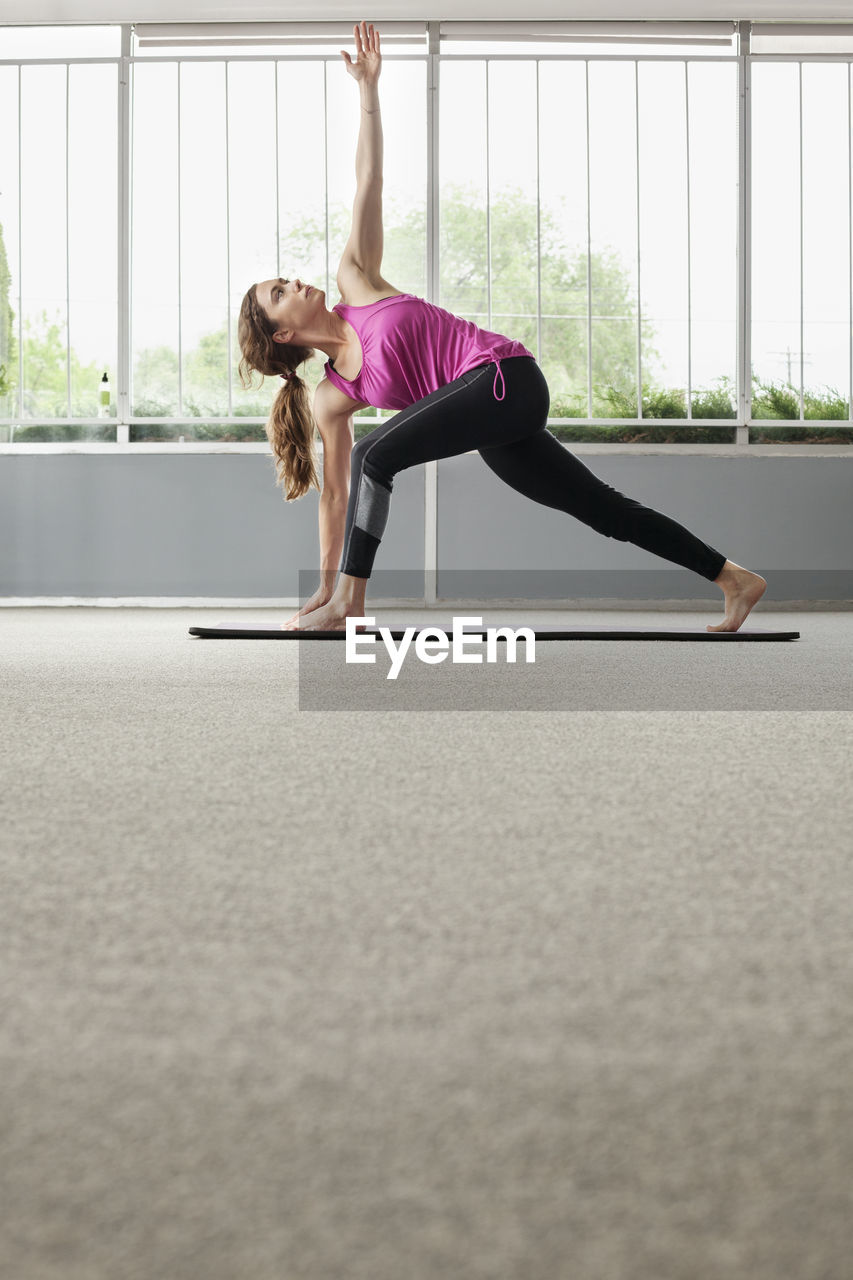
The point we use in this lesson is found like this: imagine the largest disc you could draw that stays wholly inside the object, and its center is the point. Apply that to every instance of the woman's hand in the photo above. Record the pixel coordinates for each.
(320, 597)
(368, 63)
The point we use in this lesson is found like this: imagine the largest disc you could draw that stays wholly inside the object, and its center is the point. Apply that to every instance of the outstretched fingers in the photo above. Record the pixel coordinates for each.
(368, 54)
(366, 38)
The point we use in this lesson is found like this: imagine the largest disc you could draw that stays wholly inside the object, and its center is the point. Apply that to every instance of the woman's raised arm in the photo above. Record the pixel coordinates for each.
(365, 245)
(366, 70)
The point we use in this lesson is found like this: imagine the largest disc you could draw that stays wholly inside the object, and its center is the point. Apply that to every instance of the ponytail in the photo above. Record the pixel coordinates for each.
(290, 431)
(290, 427)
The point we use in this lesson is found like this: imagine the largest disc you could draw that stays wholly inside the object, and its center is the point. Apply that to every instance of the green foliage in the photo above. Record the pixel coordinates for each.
(781, 401)
(47, 368)
(777, 402)
(532, 261)
(658, 404)
(59, 432)
(719, 402)
(224, 431)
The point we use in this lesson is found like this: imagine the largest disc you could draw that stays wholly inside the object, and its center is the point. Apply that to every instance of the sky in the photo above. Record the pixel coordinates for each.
(284, 115)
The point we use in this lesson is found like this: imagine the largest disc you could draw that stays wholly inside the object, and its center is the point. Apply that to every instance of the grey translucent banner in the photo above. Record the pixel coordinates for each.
(377, 672)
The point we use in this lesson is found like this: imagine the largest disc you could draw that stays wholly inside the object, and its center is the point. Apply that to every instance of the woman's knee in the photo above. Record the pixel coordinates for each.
(369, 460)
(359, 452)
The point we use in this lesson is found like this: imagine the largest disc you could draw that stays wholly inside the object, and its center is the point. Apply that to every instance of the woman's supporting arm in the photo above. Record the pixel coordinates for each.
(333, 520)
(333, 413)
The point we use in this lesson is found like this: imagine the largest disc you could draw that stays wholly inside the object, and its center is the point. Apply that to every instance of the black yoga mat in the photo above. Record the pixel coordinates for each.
(579, 633)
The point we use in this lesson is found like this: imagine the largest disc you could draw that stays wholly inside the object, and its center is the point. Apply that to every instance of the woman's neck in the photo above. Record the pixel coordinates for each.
(335, 337)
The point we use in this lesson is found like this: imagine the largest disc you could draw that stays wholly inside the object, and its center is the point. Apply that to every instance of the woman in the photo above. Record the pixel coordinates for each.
(458, 388)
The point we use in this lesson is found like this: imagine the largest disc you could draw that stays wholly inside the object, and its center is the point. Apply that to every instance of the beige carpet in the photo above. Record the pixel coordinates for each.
(488, 994)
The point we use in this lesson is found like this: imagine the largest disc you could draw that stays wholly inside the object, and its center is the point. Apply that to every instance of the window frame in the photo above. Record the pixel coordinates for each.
(438, 47)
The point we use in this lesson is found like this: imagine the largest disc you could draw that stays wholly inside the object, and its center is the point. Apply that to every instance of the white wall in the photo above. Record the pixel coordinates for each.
(215, 526)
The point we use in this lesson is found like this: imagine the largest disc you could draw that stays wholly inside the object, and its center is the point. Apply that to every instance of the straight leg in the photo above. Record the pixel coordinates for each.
(541, 468)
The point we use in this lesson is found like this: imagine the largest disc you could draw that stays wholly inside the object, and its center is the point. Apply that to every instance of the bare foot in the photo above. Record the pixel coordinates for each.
(742, 590)
(330, 617)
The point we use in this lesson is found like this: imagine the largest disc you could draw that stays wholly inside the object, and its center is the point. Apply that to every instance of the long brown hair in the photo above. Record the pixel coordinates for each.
(290, 428)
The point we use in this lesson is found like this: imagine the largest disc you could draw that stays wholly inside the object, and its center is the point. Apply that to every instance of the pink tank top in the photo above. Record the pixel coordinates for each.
(412, 347)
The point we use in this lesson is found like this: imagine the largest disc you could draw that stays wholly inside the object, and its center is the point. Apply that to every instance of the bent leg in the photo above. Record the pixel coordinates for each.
(454, 419)
(541, 468)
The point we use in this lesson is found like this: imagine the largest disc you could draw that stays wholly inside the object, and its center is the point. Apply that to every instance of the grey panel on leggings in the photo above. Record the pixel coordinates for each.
(374, 501)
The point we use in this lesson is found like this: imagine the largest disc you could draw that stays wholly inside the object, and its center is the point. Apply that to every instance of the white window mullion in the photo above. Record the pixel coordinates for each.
(744, 245)
(802, 261)
(326, 164)
(588, 257)
(67, 242)
(433, 210)
(689, 260)
(180, 299)
(538, 227)
(228, 239)
(20, 261)
(639, 278)
(277, 181)
(433, 295)
(123, 372)
(488, 208)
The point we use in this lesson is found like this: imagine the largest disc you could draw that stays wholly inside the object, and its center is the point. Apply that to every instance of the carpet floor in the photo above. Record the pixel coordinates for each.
(492, 973)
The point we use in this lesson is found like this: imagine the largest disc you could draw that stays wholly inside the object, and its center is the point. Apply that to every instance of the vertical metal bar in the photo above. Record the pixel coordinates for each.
(802, 255)
(433, 212)
(20, 260)
(488, 207)
(228, 234)
(689, 255)
(538, 227)
(850, 237)
(744, 237)
(180, 265)
(639, 279)
(588, 254)
(326, 160)
(276, 66)
(67, 241)
(124, 241)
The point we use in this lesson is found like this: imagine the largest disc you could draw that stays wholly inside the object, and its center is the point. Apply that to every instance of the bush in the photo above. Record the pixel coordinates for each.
(781, 402)
(44, 432)
(658, 403)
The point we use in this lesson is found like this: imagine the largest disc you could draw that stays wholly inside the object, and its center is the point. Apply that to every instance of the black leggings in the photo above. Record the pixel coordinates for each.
(511, 438)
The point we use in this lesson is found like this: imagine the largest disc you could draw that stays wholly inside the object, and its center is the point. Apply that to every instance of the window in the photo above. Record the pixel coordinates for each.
(604, 203)
(58, 245)
(589, 209)
(801, 283)
(243, 171)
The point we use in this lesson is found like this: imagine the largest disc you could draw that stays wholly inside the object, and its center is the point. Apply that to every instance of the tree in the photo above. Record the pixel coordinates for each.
(525, 260)
(46, 366)
(518, 262)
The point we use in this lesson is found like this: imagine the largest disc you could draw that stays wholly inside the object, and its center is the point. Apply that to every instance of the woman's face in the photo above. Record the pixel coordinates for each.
(293, 307)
